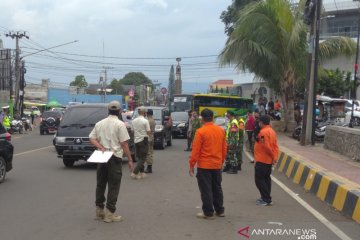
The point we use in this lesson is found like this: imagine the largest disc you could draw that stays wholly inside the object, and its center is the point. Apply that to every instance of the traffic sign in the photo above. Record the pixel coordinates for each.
(163, 90)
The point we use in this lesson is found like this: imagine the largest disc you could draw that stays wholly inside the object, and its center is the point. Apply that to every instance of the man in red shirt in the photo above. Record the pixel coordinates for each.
(266, 154)
(209, 153)
(249, 128)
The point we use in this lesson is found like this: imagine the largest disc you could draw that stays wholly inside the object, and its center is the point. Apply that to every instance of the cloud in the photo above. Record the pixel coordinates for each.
(159, 3)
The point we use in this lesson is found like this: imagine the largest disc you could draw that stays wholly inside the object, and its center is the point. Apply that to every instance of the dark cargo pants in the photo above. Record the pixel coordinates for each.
(109, 173)
(141, 149)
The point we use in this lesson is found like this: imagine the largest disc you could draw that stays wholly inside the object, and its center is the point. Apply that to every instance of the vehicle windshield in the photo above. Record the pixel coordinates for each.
(179, 116)
(85, 116)
(156, 114)
(51, 114)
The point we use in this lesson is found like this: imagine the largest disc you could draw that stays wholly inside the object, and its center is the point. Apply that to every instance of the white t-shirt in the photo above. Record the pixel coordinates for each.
(141, 127)
(110, 132)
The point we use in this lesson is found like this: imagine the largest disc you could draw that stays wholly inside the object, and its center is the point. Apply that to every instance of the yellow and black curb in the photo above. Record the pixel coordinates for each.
(338, 192)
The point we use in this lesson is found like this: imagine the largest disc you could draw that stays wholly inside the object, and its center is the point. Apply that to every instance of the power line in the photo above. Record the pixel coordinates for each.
(131, 58)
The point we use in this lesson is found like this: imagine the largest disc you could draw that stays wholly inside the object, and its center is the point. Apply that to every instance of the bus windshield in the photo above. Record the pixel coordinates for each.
(181, 103)
(221, 104)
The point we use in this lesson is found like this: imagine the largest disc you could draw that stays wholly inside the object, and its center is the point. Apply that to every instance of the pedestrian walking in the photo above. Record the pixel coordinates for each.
(265, 154)
(208, 153)
(232, 139)
(249, 127)
(141, 138)
(149, 156)
(110, 134)
(189, 131)
(32, 115)
(241, 124)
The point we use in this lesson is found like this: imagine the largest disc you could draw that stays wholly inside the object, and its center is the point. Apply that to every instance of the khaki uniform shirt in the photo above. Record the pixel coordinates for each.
(141, 127)
(110, 132)
(152, 128)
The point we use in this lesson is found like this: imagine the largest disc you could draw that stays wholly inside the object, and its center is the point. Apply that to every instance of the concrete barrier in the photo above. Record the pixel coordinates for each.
(338, 192)
(345, 141)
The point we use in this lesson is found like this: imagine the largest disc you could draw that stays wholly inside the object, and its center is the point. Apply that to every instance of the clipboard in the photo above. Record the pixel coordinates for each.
(100, 157)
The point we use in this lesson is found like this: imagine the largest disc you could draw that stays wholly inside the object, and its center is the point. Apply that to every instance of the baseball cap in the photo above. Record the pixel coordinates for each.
(114, 105)
(142, 109)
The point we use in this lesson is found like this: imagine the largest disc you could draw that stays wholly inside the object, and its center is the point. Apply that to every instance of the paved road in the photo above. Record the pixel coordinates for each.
(43, 200)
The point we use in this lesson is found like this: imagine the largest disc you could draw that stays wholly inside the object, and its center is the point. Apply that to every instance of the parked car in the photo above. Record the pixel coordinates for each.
(6, 153)
(179, 124)
(348, 109)
(162, 135)
(72, 141)
(49, 121)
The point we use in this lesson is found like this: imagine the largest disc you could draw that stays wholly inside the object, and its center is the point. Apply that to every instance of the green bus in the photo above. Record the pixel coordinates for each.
(220, 104)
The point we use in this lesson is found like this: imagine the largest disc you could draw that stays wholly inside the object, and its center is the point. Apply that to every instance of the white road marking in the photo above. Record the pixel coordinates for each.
(337, 231)
(34, 150)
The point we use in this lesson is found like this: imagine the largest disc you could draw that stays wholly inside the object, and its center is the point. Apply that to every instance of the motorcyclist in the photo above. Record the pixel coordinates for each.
(6, 121)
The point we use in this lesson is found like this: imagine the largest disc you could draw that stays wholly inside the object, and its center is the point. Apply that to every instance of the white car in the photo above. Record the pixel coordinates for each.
(27, 111)
(348, 108)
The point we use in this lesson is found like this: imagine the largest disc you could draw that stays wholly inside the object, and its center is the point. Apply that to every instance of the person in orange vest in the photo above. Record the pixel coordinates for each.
(266, 153)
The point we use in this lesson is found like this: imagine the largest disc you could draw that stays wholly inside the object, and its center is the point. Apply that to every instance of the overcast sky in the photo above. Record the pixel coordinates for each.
(120, 30)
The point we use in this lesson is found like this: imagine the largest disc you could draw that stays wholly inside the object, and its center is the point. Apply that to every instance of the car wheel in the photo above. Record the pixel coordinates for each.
(169, 143)
(163, 143)
(68, 162)
(356, 121)
(2, 169)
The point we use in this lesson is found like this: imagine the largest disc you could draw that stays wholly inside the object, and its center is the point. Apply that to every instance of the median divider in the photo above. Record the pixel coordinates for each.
(336, 191)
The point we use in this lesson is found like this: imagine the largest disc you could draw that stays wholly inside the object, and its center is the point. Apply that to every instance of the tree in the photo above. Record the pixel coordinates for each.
(79, 81)
(135, 78)
(333, 83)
(116, 87)
(230, 16)
(269, 40)
(216, 89)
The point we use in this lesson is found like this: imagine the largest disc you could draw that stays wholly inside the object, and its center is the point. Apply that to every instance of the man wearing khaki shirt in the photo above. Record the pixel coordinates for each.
(149, 157)
(141, 138)
(110, 134)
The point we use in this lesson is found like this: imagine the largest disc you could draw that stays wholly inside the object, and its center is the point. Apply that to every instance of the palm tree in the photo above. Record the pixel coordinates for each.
(269, 39)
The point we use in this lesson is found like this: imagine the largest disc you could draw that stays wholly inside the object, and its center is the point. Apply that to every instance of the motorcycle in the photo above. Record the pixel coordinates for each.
(26, 123)
(319, 131)
(16, 126)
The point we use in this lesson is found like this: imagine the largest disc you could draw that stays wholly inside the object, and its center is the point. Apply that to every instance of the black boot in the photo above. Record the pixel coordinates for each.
(148, 169)
(226, 168)
(233, 170)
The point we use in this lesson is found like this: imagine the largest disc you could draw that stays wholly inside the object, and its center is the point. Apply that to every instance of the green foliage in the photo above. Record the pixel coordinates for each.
(230, 16)
(269, 40)
(135, 78)
(333, 83)
(79, 81)
(116, 87)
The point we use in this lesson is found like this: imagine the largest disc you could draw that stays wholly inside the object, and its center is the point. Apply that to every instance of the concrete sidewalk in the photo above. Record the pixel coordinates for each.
(333, 178)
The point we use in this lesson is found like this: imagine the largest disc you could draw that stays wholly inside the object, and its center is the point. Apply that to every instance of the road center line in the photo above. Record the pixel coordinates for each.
(34, 150)
(338, 232)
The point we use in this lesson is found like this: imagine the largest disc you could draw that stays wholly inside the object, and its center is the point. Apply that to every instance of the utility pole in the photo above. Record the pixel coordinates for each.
(21, 88)
(356, 67)
(312, 9)
(17, 35)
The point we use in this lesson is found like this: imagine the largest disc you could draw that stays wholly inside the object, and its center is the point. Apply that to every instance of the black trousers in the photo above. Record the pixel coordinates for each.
(209, 181)
(110, 174)
(250, 138)
(263, 180)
